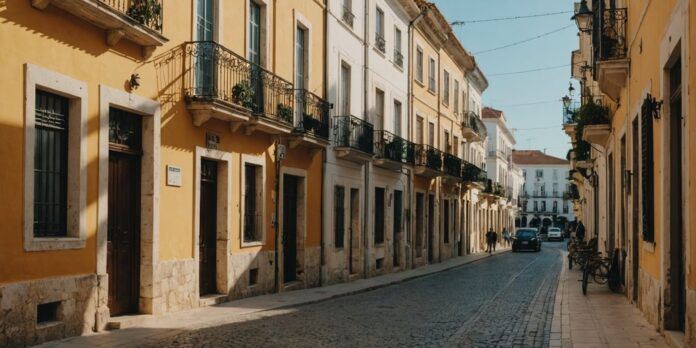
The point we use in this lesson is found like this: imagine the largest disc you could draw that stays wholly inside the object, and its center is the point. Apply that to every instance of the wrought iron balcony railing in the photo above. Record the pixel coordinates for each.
(145, 12)
(398, 58)
(429, 157)
(451, 165)
(380, 43)
(354, 133)
(314, 113)
(393, 147)
(213, 72)
(348, 16)
(609, 34)
(472, 173)
(473, 121)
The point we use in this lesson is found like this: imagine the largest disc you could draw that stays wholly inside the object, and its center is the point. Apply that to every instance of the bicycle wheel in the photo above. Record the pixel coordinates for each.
(585, 279)
(600, 272)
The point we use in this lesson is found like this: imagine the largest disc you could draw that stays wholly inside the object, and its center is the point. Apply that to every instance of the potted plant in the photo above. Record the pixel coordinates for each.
(146, 12)
(284, 112)
(242, 95)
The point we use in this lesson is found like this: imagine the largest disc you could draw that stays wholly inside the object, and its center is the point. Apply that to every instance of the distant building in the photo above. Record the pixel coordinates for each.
(543, 200)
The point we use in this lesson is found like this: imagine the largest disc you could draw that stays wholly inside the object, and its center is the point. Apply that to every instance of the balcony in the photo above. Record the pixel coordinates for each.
(139, 21)
(220, 84)
(428, 161)
(610, 51)
(452, 168)
(380, 43)
(392, 151)
(473, 176)
(398, 58)
(348, 16)
(597, 134)
(473, 128)
(312, 115)
(354, 139)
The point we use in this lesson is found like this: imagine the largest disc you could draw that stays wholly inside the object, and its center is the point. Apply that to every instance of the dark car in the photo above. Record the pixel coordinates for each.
(526, 238)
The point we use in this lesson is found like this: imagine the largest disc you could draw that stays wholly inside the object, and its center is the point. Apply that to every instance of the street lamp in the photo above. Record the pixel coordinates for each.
(566, 102)
(583, 17)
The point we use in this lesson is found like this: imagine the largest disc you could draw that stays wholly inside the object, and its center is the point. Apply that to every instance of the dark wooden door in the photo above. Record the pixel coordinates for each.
(431, 227)
(398, 208)
(289, 228)
(123, 242)
(208, 227)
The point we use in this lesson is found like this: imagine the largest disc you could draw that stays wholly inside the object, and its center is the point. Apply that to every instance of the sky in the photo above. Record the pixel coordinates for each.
(536, 126)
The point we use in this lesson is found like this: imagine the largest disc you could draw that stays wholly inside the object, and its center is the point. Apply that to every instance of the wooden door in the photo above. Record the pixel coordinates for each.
(123, 240)
(207, 234)
(289, 228)
(431, 227)
(354, 231)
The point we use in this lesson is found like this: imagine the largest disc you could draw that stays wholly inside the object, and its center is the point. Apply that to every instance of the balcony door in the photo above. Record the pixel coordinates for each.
(300, 72)
(255, 55)
(205, 62)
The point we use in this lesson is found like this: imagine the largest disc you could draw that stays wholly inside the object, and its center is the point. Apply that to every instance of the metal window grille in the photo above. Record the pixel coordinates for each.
(339, 216)
(379, 215)
(646, 164)
(251, 220)
(51, 165)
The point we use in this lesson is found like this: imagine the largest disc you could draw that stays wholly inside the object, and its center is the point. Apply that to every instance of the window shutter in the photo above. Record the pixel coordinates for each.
(647, 180)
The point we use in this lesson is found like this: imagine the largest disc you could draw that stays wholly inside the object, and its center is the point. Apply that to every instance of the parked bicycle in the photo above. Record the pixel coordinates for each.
(602, 270)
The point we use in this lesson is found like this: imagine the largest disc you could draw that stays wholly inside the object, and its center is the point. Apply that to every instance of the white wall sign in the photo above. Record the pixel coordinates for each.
(173, 176)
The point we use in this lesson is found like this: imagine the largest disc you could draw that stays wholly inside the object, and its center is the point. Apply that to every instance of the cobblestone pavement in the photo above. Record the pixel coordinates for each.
(502, 301)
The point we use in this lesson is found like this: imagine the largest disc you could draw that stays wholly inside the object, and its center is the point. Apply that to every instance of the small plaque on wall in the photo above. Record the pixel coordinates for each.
(173, 176)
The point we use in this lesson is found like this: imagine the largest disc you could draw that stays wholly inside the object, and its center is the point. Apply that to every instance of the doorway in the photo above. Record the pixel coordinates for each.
(420, 217)
(290, 203)
(398, 209)
(208, 227)
(676, 307)
(123, 238)
(431, 227)
(354, 231)
(635, 230)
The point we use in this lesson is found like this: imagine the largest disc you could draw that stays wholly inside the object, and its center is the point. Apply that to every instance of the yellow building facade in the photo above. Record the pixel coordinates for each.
(635, 67)
(162, 147)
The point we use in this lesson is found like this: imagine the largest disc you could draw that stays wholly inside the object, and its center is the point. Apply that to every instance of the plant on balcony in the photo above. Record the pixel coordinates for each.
(394, 149)
(592, 113)
(309, 122)
(242, 95)
(433, 158)
(284, 112)
(146, 12)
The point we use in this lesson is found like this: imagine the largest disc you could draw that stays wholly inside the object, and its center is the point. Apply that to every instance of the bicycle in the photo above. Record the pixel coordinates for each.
(597, 267)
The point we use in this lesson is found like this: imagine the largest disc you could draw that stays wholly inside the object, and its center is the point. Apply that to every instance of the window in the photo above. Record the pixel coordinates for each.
(253, 198)
(254, 33)
(398, 57)
(345, 89)
(555, 207)
(379, 29)
(524, 173)
(555, 174)
(524, 205)
(348, 16)
(431, 75)
(543, 206)
(51, 165)
(446, 221)
(339, 216)
(539, 173)
(565, 207)
(419, 64)
(431, 134)
(455, 106)
(379, 215)
(555, 189)
(419, 130)
(397, 117)
(455, 150)
(205, 20)
(379, 110)
(448, 145)
(543, 190)
(300, 58)
(446, 93)
(536, 206)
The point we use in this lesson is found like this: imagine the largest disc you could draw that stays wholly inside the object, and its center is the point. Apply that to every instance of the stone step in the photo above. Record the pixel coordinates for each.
(211, 300)
(126, 321)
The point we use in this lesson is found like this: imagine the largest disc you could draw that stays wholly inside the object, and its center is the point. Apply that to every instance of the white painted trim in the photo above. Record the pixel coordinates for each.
(300, 20)
(224, 198)
(149, 188)
(265, 30)
(219, 23)
(260, 161)
(76, 91)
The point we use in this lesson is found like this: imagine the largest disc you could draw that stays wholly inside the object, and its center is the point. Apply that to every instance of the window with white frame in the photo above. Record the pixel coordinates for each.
(446, 92)
(379, 30)
(431, 75)
(455, 106)
(419, 64)
(398, 55)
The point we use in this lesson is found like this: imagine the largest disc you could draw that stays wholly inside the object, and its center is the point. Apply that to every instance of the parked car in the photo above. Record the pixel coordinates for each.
(555, 234)
(526, 238)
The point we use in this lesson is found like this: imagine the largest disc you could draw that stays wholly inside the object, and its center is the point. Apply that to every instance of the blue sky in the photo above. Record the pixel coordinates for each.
(507, 92)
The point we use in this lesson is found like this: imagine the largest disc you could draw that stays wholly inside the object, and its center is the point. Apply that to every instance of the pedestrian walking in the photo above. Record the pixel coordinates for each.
(490, 240)
(506, 236)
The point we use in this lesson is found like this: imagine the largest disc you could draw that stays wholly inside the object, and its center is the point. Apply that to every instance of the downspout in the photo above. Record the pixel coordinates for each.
(409, 131)
(276, 284)
(366, 212)
(322, 260)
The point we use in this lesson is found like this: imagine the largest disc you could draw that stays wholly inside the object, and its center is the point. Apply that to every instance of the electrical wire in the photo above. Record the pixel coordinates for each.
(528, 104)
(524, 41)
(529, 71)
(509, 18)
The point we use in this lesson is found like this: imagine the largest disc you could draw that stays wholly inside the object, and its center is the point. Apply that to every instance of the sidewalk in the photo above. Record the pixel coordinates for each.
(151, 329)
(600, 319)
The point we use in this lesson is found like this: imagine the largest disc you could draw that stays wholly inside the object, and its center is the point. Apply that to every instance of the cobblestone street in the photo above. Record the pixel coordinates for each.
(504, 301)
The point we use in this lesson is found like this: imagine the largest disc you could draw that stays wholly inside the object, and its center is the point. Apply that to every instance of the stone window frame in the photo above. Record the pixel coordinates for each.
(300, 21)
(260, 206)
(150, 299)
(224, 199)
(76, 91)
(219, 24)
(266, 30)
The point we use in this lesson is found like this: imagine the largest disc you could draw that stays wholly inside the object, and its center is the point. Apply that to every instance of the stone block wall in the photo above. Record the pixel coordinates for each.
(75, 312)
(240, 268)
(650, 298)
(179, 284)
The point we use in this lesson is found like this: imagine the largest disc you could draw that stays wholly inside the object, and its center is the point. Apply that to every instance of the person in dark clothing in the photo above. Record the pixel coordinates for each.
(490, 240)
(580, 231)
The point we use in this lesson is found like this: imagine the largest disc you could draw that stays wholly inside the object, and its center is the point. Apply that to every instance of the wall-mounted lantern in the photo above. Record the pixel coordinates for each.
(583, 18)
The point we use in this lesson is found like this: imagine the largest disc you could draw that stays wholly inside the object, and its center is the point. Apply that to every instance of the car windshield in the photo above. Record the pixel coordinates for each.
(525, 233)
(554, 230)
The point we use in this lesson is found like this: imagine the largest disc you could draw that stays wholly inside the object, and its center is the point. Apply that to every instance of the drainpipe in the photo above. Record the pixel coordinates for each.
(276, 220)
(366, 212)
(322, 260)
(409, 130)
